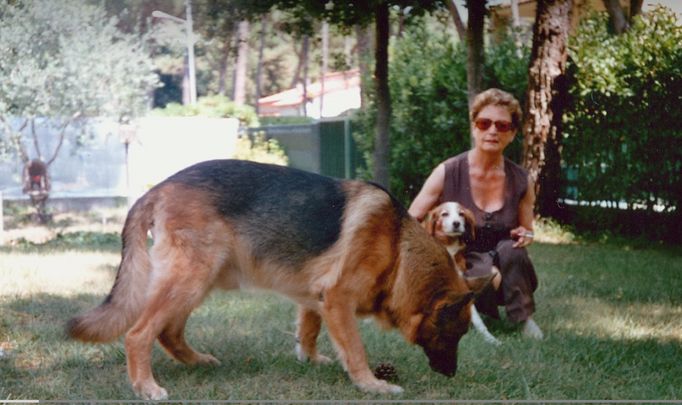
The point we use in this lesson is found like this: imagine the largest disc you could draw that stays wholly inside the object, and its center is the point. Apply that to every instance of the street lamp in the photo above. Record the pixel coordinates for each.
(190, 45)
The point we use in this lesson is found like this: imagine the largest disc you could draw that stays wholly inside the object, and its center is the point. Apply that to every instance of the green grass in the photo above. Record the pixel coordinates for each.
(612, 316)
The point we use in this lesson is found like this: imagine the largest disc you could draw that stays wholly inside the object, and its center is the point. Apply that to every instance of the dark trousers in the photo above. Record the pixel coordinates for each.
(519, 281)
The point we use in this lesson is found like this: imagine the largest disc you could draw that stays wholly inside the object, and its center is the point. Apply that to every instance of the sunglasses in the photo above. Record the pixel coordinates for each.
(485, 123)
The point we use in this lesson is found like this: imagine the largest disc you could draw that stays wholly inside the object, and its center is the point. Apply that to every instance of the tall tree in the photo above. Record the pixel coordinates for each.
(457, 20)
(545, 100)
(363, 37)
(239, 88)
(259, 63)
(620, 21)
(475, 47)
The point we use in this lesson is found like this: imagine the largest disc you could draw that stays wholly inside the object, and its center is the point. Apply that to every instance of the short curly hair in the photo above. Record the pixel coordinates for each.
(499, 97)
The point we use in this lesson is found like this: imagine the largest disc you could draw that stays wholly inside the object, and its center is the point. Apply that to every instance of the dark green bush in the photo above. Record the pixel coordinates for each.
(623, 139)
(215, 107)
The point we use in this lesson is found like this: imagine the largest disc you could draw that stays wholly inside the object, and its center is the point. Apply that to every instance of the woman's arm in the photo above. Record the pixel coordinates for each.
(523, 234)
(429, 194)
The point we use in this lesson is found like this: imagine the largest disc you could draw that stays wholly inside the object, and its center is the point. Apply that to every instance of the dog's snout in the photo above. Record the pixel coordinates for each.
(456, 224)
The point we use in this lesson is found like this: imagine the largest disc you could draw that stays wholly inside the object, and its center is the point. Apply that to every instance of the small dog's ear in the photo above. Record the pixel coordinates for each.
(430, 223)
(470, 227)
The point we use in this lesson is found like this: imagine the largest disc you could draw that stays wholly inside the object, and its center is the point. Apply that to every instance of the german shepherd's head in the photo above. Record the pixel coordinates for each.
(441, 329)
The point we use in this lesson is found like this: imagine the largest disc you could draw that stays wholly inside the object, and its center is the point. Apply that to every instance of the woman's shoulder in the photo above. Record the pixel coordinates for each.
(515, 167)
(518, 172)
(455, 160)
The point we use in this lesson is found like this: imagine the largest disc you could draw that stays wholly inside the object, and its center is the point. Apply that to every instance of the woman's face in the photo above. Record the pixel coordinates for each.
(493, 129)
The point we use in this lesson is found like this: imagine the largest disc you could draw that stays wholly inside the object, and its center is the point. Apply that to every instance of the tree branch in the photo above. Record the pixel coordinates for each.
(457, 19)
(616, 16)
(36, 144)
(62, 134)
(15, 138)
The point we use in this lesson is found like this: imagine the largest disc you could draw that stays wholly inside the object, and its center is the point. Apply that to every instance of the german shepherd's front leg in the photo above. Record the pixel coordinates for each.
(339, 316)
(307, 329)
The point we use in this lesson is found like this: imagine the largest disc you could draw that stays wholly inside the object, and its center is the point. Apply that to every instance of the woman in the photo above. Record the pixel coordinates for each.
(501, 196)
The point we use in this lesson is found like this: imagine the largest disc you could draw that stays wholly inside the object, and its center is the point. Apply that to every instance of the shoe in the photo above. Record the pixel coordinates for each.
(532, 330)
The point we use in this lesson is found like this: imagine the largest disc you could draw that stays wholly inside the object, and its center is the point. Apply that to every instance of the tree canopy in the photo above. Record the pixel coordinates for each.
(64, 60)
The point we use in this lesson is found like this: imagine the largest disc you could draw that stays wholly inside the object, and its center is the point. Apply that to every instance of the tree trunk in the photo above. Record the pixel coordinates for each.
(545, 100)
(475, 46)
(516, 25)
(259, 67)
(222, 67)
(304, 61)
(457, 19)
(619, 21)
(325, 55)
(364, 41)
(239, 91)
(383, 96)
(635, 8)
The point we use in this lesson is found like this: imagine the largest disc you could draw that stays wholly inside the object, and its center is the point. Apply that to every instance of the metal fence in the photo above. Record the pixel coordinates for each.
(325, 147)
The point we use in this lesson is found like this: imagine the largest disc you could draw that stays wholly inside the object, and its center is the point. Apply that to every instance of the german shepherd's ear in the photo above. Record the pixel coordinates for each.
(452, 310)
(412, 330)
(470, 227)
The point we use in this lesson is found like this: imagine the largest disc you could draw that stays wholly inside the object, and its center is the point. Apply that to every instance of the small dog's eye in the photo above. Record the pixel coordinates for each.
(444, 214)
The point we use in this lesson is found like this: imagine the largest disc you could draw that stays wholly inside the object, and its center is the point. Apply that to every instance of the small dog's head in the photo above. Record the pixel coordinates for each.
(450, 220)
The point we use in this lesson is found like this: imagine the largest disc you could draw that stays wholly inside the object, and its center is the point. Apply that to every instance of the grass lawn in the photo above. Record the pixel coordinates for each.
(612, 315)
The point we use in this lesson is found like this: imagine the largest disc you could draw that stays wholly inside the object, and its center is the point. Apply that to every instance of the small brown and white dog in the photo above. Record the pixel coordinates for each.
(451, 224)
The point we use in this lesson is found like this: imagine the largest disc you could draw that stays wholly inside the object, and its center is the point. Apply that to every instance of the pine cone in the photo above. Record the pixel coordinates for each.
(386, 371)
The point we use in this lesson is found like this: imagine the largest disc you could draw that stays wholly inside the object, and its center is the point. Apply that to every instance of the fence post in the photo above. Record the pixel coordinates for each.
(346, 149)
(2, 220)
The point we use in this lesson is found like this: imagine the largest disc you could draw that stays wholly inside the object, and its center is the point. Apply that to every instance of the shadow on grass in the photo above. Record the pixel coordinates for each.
(252, 335)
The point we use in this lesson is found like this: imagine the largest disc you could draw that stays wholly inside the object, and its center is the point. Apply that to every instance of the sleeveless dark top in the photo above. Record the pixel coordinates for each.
(491, 227)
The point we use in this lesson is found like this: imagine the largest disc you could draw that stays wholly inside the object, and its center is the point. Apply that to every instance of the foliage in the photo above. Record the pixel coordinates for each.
(73, 240)
(212, 106)
(63, 60)
(622, 134)
(259, 149)
(428, 83)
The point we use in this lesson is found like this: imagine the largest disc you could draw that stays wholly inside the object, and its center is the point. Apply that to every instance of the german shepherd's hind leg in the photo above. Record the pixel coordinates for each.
(339, 316)
(308, 327)
(138, 344)
(172, 339)
(181, 286)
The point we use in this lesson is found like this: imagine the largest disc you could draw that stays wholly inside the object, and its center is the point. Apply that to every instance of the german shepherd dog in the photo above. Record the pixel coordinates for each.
(338, 248)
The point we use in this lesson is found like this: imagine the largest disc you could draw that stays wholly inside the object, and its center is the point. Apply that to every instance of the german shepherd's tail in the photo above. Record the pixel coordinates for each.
(126, 300)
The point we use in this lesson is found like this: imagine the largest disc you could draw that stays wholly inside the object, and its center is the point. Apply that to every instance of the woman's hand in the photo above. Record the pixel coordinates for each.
(522, 236)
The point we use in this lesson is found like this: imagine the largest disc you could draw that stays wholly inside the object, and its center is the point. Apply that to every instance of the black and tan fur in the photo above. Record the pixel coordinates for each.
(337, 248)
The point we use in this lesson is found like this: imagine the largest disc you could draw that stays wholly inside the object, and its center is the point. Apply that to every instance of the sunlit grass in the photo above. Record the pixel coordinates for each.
(61, 273)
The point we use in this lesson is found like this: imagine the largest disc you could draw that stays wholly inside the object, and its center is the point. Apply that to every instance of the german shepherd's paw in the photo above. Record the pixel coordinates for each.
(206, 360)
(380, 387)
(316, 359)
(150, 391)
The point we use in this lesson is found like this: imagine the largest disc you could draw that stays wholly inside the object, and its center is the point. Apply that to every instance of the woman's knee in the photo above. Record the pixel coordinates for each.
(509, 255)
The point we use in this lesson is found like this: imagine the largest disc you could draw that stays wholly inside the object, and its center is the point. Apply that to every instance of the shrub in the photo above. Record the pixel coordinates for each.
(260, 149)
(622, 135)
(215, 107)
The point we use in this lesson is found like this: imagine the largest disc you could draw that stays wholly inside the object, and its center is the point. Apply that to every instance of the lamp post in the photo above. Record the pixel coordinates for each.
(190, 45)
